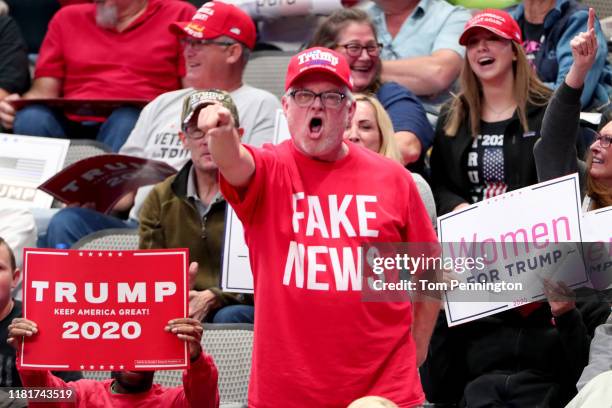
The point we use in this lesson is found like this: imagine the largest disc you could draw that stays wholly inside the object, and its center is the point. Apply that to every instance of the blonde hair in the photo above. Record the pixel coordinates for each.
(372, 402)
(528, 89)
(601, 195)
(388, 145)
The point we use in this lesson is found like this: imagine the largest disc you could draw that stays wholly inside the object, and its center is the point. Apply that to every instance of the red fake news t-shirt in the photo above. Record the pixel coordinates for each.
(317, 344)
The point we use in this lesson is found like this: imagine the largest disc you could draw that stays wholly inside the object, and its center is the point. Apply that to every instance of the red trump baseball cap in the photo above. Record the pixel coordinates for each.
(215, 19)
(497, 21)
(318, 59)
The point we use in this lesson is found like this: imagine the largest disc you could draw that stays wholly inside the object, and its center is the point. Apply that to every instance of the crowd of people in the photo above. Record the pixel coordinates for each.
(504, 90)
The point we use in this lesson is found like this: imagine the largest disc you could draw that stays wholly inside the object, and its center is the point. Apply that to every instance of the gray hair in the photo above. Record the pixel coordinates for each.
(246, 51)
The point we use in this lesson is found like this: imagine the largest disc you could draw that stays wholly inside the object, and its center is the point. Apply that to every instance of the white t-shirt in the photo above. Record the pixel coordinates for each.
(155, 135)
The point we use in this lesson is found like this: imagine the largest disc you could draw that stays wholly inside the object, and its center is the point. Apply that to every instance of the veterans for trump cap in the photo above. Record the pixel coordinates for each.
(200, 99)
(318, 59)
(215, 19)
(497, 21)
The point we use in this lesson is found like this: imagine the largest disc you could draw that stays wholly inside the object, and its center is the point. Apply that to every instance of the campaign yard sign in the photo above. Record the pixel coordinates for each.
(103, 180)
(597, 236)
(521, 240)
(104, 310)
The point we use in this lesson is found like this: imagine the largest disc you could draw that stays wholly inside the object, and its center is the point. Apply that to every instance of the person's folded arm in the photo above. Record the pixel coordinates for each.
(426, 75)
(44, 87)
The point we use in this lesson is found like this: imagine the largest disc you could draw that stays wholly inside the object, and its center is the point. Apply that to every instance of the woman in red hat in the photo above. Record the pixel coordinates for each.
(484, 139)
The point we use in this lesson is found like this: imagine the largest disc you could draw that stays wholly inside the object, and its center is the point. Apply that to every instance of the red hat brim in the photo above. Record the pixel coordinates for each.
(190, 29)
(465, 35)
(320, 69)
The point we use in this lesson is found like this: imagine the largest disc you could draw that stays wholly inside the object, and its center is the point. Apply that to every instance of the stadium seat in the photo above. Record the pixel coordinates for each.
(80, 149)
(231, 346)
(603, 8)
(112, 239)
(266, 70)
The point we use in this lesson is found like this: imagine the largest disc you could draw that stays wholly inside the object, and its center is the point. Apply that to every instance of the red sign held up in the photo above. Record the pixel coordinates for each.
(104, 310)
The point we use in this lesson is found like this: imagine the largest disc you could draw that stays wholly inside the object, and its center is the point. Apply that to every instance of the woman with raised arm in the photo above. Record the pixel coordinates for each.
(555, 156)
(555, 153)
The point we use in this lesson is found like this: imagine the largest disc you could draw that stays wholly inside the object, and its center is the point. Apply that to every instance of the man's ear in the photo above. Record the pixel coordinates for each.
(351, 112)
(284, 104)
(183, 138)
(240, 132)
(16, 275)
(235, 53)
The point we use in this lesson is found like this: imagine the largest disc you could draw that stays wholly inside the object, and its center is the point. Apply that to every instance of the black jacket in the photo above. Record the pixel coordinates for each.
(450, 183)
(511, 353)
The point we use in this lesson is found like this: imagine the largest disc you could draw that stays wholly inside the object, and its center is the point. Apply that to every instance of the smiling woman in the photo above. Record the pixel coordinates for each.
(488, 130)
(555, 154)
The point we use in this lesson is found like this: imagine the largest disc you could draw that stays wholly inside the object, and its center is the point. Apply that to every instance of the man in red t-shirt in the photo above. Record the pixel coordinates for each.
(108, 49)
(307, 206)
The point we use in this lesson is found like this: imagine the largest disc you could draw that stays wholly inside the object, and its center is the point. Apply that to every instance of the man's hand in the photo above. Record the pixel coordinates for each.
(215, 120)
(584, 50)
(20, 328)
(234, 161)
(461, 206)
(560, 297)
(7, 112)
(90, 205)
(189, 330)
(201, 303)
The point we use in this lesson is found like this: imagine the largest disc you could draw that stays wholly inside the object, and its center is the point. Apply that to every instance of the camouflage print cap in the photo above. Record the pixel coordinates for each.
(199, 99)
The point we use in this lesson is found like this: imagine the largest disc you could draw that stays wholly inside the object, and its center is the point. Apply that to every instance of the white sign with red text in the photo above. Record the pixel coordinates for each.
(522, 237)
(597, 236)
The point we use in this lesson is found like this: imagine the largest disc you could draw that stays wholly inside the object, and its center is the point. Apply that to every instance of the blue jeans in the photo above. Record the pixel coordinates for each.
(235, 314)
(40, 120)
(71, 224)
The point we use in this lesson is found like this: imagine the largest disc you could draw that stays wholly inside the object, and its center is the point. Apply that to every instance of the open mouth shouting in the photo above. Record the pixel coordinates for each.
(315, 126)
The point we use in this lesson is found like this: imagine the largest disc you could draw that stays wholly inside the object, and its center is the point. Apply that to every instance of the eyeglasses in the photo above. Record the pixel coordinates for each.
(355, 50)
(604, 141)
(193, 132)
(304, 98)
(199, 44)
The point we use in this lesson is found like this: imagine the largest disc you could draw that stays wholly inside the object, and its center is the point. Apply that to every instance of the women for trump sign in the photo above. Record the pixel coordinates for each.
(104, 310)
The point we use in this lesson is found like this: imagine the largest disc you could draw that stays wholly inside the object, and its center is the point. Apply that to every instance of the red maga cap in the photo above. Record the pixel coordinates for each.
(497, 21)
(215, 19)
(319, 59)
